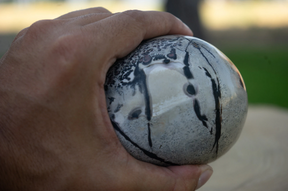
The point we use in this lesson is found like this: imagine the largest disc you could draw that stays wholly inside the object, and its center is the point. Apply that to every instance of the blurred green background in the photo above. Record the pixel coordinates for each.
(253, 34)
(264, 71)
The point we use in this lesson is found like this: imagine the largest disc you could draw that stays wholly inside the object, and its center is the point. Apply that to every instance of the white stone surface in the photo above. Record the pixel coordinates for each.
(176, 100)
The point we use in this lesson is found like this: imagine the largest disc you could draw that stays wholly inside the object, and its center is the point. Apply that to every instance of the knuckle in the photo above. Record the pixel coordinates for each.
(39, 32)
(64, 48)
(21, 33)
(68, 57)
(134, 15)
(135, 19)
(41, 23)
(102, 10)
(39, 27)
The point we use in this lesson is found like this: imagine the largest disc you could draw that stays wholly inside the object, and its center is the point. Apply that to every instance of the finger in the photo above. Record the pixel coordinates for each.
(131, 27)
(84, 12)
(188, 177)
(149, 24)
(126, 30)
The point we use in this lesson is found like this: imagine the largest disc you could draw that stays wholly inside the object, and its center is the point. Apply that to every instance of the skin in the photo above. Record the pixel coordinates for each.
(55, 132)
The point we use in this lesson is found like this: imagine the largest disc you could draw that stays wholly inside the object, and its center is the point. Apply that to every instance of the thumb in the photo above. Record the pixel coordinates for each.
(191, 177)
(176, 178)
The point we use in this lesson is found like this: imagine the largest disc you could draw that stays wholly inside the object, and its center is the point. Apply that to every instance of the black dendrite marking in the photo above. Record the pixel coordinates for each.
(149, 154)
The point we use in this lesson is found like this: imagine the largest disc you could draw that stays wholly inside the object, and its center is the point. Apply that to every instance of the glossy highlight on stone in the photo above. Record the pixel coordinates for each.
(176, 100)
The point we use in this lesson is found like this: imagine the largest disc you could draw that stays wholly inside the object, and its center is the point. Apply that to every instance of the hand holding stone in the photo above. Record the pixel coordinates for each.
(55, 132)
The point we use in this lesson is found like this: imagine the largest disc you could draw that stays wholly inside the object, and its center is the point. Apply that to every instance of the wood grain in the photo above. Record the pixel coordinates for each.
(258, 160)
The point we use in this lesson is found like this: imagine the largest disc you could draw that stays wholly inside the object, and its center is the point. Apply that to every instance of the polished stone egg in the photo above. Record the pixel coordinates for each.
(176, 100)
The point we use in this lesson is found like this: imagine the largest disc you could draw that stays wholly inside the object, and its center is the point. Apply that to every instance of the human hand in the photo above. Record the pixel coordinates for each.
(55, 132)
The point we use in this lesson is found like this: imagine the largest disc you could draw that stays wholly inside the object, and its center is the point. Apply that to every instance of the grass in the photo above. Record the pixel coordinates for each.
(265, 72)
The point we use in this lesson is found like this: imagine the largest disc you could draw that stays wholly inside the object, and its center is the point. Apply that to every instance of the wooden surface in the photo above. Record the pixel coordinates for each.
(259, 159)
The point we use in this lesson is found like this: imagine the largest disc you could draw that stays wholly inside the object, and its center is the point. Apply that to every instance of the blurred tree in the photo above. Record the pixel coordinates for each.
(6, 1)
(23, 1)
(188, 12)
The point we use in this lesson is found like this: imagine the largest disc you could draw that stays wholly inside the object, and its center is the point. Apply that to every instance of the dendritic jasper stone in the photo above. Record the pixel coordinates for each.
(176, 100)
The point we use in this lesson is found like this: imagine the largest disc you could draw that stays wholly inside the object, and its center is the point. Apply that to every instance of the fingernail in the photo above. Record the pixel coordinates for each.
(188, 28)
(185, 25)
(206, 173)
